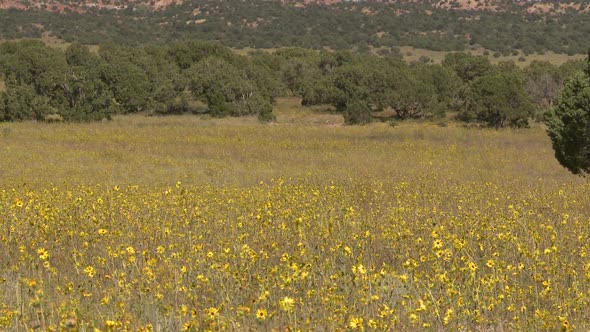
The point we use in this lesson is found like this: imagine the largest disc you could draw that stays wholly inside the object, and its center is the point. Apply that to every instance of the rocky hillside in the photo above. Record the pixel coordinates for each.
(83, 5)
(501, 26)
(531, 6)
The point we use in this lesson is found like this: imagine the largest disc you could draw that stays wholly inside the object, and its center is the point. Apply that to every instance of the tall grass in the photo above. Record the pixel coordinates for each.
(188, 223)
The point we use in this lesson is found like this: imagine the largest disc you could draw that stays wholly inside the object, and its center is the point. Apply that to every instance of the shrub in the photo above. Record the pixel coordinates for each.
(357, 113)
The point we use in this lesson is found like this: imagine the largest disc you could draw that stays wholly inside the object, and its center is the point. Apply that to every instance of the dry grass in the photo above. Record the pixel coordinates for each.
(53, 41)
(248, 50)
(413, 54)
(2, 86)
(197, 150)
(191, 223)
(289, 111)
(551, 57)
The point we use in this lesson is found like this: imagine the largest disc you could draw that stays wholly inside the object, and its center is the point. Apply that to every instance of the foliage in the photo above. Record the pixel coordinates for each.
(443, 81)
(78, 84)
(41, 82)
(498, 100)
(468, 67)
(186, 54)
(418, 93)
(20, 102)
(381, 84)
(124, 71)
(568, 124)
(227, 90)
(33, 63)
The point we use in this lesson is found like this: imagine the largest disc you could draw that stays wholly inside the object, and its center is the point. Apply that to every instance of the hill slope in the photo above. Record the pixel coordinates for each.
(499, 25)
(539, 6)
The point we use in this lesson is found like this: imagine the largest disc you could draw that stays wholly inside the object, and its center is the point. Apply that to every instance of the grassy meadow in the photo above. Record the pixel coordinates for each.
(412, 54)
(199, 224)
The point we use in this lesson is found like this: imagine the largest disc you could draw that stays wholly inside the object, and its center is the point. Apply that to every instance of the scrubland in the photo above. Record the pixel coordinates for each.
(186, 223)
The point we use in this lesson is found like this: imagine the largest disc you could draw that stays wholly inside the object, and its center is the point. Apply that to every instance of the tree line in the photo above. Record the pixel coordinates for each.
(78, 84)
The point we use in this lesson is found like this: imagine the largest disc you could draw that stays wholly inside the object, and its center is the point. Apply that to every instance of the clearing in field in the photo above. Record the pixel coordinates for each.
(412, 54)
(189, 223)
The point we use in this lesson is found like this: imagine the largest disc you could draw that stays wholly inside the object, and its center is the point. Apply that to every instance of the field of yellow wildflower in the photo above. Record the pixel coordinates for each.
(169, 224)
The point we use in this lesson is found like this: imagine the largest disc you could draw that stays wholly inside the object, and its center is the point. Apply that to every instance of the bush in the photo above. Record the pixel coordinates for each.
(357, 113)
(424, 59)
(266, 117)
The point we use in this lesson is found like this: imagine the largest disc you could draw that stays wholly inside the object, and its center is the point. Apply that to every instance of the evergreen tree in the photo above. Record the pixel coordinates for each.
(568, 123)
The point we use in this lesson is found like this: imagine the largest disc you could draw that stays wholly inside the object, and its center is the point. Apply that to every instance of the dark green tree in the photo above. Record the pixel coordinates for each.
(467, 66)
(428, 90)
(168, 85)
(571, 67)
(498, 100)
(21, 102)
(228, 90)
(444, 80)
(82, 95)
(44, 81)
(568, 123)
(79, 55)
(298, 72)
(33, 63)
(411, 95)
(127, 73)
(381, 84)
(185, 54)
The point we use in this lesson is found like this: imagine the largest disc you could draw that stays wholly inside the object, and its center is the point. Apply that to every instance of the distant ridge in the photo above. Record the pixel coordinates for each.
(530, 6)
(503, 27)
